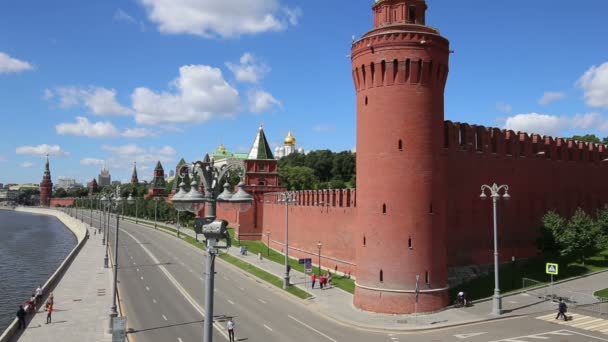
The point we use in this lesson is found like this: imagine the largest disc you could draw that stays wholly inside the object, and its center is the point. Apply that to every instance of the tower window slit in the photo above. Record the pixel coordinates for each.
(400, 145)
(383, 67)
(381, 275)
(395, 69)
(419, 71)
(384, 208)
(407, 69)
(364, 240)
(409, 243)
(427, 278)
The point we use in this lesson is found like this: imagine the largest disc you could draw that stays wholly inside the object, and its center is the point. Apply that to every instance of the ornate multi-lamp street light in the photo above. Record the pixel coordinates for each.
(213, 230)
(115, 201)
(495, 195)
(287, 198)
(319, 246)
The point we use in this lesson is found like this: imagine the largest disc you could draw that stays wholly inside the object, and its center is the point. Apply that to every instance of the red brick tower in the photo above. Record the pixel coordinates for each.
(46, 186)
(399, 69)
(158, 185)
(134, 179)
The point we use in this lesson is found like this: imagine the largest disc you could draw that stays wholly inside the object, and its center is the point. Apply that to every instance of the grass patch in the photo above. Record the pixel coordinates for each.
(269, 278)
(602, 293)
(256, 247)
(511, 274)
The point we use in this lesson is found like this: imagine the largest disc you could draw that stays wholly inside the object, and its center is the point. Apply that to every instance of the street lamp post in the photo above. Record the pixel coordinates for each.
(495, 194)
(115, 201)
(91, 212)
(213, 230)
(156, 199)
(319, 245)
(287, 198)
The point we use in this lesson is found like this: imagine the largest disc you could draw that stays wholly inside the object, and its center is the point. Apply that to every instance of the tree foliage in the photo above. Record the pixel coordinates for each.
(579, 236)
(329, 170)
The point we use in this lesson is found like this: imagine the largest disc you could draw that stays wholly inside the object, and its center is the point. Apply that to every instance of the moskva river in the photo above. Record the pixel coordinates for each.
(31, 248)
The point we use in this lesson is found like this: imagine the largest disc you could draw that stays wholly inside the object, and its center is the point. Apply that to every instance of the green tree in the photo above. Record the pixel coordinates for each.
(605, 141)
(602, 222)
(298, 178)
(60, 193)
(577, 237)
(590, 138)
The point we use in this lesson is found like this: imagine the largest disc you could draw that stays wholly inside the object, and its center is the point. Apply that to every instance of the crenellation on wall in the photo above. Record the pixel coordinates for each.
(483, 140)
(338, 198)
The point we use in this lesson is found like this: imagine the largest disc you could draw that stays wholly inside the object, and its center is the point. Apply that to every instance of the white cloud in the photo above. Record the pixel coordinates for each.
(551, 96)
(123, 156)
(124, 17)
(324, 128)
(201, 94)
(248, 70)
(98, 100)
(226, 18)
(261, 101)
(82, 127)
(553, 125)
(137, 132)
(9, 64)
(92, 162)
(595, 84)
(27, 164)
(42, 150)
(504, 107)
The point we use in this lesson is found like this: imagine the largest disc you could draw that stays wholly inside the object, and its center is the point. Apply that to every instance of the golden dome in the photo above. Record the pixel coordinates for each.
(289, 139)
(221, 148)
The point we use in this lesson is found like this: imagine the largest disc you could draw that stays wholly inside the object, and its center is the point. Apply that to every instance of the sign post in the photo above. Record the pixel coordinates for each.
(417, 293)
(552, 269)
(119, 329)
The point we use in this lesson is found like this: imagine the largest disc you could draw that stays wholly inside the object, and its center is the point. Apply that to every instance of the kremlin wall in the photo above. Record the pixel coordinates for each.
(416, 211)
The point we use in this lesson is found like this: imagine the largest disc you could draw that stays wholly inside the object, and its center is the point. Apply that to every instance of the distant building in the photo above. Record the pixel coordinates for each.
(68, 184)
(93, 187)
(8, 195)
(104, 178)
(289, 147)
(115, 183)
(221, 156)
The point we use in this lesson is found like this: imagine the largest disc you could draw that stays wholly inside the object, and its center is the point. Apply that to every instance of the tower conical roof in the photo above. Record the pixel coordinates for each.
(134, 179)
(260, 148)
(47, 170)
(159, 166)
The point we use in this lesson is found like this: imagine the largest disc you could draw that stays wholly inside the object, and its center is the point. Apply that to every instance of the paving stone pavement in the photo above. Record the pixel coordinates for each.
(82, 301)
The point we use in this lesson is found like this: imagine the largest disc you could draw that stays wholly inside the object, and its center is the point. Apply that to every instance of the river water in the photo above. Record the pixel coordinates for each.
(31, 248)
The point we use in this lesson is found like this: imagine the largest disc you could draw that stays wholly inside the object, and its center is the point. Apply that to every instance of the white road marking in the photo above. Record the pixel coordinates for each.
(267, 327)
(231, 302)
(242, 289)
(311, 328)
(201, 278)
(179, 287)
(543, 336)
(261, 301)
(137, 269)
(463, 336)
(153, 300)
(165, 318)
(179, 340)
(134, 263)
(142, 278)
(147, 288)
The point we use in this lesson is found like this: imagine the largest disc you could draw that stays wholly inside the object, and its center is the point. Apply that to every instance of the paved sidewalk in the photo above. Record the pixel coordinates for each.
(337, 304)
(82, 301)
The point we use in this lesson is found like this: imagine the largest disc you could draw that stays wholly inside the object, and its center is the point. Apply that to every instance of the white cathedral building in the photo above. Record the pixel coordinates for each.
(289, 147)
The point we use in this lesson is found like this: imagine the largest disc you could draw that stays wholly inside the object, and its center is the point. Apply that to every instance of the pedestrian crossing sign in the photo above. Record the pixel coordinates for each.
(552, 268)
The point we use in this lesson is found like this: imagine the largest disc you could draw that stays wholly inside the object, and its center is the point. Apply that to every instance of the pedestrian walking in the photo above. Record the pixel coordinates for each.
(21, 317)
(49, 312)
(561, 310)
(322, 280)
(313, 279)
(230, 326)
(38, 295)
(31, 303)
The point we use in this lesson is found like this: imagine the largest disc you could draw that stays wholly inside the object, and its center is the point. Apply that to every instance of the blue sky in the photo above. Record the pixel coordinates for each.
(118, 81)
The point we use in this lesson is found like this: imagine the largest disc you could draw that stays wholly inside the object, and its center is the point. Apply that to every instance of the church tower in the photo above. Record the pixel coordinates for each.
(400, 69)
(46, 186)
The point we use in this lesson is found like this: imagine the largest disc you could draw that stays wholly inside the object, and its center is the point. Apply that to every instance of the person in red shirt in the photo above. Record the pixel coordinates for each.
(313, 279)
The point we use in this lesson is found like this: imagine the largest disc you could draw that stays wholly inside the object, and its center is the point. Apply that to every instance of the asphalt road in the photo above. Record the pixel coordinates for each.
(162, 289)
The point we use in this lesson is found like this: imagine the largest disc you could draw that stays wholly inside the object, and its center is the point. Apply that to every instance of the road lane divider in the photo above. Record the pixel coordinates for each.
(178, 286)
(313, 329)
